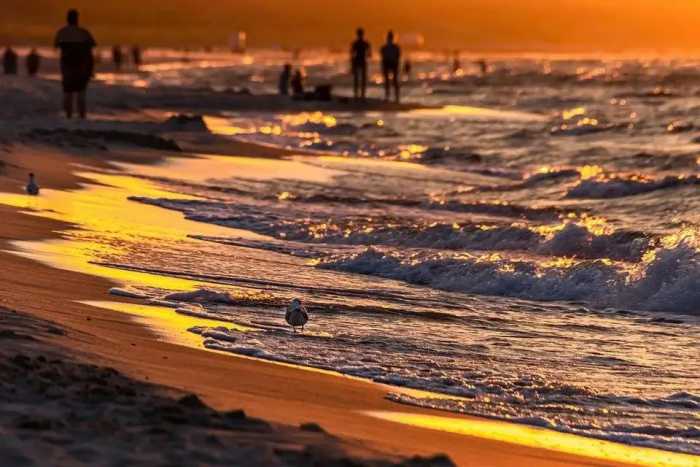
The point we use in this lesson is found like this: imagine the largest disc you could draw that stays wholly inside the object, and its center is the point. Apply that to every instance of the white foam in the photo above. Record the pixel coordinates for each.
(127, 292)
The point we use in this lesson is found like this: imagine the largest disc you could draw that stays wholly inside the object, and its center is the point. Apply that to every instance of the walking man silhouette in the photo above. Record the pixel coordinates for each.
(391, 57)
(77, 63)
(360, 52)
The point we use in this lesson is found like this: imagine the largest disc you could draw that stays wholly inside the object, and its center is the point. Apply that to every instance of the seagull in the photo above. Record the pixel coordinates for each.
(32, 187)
(296, 315)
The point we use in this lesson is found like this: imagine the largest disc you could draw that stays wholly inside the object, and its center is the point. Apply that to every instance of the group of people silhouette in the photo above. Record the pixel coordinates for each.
(119, 57)
(77, 63)
(360, 56)
(10, 62)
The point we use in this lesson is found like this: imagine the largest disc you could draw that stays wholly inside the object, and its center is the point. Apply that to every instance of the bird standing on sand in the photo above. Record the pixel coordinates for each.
(296, 315)
(32, 187)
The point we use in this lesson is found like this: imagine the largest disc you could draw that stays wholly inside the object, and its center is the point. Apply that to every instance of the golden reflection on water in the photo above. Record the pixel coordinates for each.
(223, 126)
(319, 118)
(475, 112)
(169, 325)
(590, 171)
(206, 168)
(525, 435)
(109, 224)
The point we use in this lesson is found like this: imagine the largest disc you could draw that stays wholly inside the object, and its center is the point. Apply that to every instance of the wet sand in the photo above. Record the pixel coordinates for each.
(273, 392)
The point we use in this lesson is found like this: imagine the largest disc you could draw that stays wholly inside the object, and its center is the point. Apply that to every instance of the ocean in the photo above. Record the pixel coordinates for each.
(524, 247)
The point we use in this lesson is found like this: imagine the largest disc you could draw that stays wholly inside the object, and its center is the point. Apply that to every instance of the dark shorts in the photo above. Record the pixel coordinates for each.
(75, 79)
(390, 68)
(359, 67)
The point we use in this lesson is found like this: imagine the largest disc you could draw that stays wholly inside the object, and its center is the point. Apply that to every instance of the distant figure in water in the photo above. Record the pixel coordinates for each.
(407, 68)
(483, 66)
(298, 84)
(117, 57)
(456, 63)
(32, 187)
(285, 78)
(9, 61)
(77, 63)
(296, 315)
(33, 62)
(360, 52)
(391, 59)
(136, 56)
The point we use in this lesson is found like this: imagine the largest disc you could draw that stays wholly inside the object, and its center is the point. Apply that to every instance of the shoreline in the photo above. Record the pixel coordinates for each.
(108, 338)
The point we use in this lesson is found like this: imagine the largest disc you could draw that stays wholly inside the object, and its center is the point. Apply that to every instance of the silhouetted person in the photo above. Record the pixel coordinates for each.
(77, 63)
(391, 59)
(117, 57)
(33, 62)
(32, 187)
(9, 61)
(407, 68)
(136, 56)
(298, 84)
(483, 66)
(360, 52)
(456, 63)
(285, 77)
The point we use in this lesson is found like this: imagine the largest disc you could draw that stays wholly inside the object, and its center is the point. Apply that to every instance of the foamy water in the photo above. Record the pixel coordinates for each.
(530, 251)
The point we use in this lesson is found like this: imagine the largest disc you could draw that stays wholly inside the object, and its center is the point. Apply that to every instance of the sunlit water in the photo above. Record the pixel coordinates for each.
(530, 251)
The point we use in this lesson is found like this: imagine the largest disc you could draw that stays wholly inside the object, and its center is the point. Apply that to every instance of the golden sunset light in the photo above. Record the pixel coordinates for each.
(369, 233)
(482, 25)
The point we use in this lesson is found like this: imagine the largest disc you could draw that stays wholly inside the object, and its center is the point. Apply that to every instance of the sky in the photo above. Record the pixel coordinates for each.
(479, 25)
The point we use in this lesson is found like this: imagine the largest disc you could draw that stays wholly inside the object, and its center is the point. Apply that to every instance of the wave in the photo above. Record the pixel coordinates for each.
(680, 438)
(576, 241)
(572, 241)
(620, 187)
(345, 129)
(668, 283)
(436, 155)
(585, 127)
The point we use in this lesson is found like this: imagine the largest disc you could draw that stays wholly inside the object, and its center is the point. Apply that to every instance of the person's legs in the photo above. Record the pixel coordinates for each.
(364, 81)
(68, 104)
(395, 78)
(387, 83)
(355, 81)
(82, 107)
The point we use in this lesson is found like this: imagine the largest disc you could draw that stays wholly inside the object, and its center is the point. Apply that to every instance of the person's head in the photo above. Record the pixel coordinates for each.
(360, 33)
(287, 68)
(72, 17)
(390, 37)
(31, 176)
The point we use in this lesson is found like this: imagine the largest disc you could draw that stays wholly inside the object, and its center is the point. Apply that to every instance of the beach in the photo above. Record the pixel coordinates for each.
(115, 340)
(91, 268)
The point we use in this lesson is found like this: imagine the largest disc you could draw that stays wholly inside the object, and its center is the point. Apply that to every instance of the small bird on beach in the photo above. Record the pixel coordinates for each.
(32, 187)
(296, 315)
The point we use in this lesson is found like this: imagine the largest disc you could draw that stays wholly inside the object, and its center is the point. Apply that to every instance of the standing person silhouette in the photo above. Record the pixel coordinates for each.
(360, 52)
(117, 57)
(285, 77)
(33, 61)
(77, 63)
(9, 61)
(136, 56)
(391, 57)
